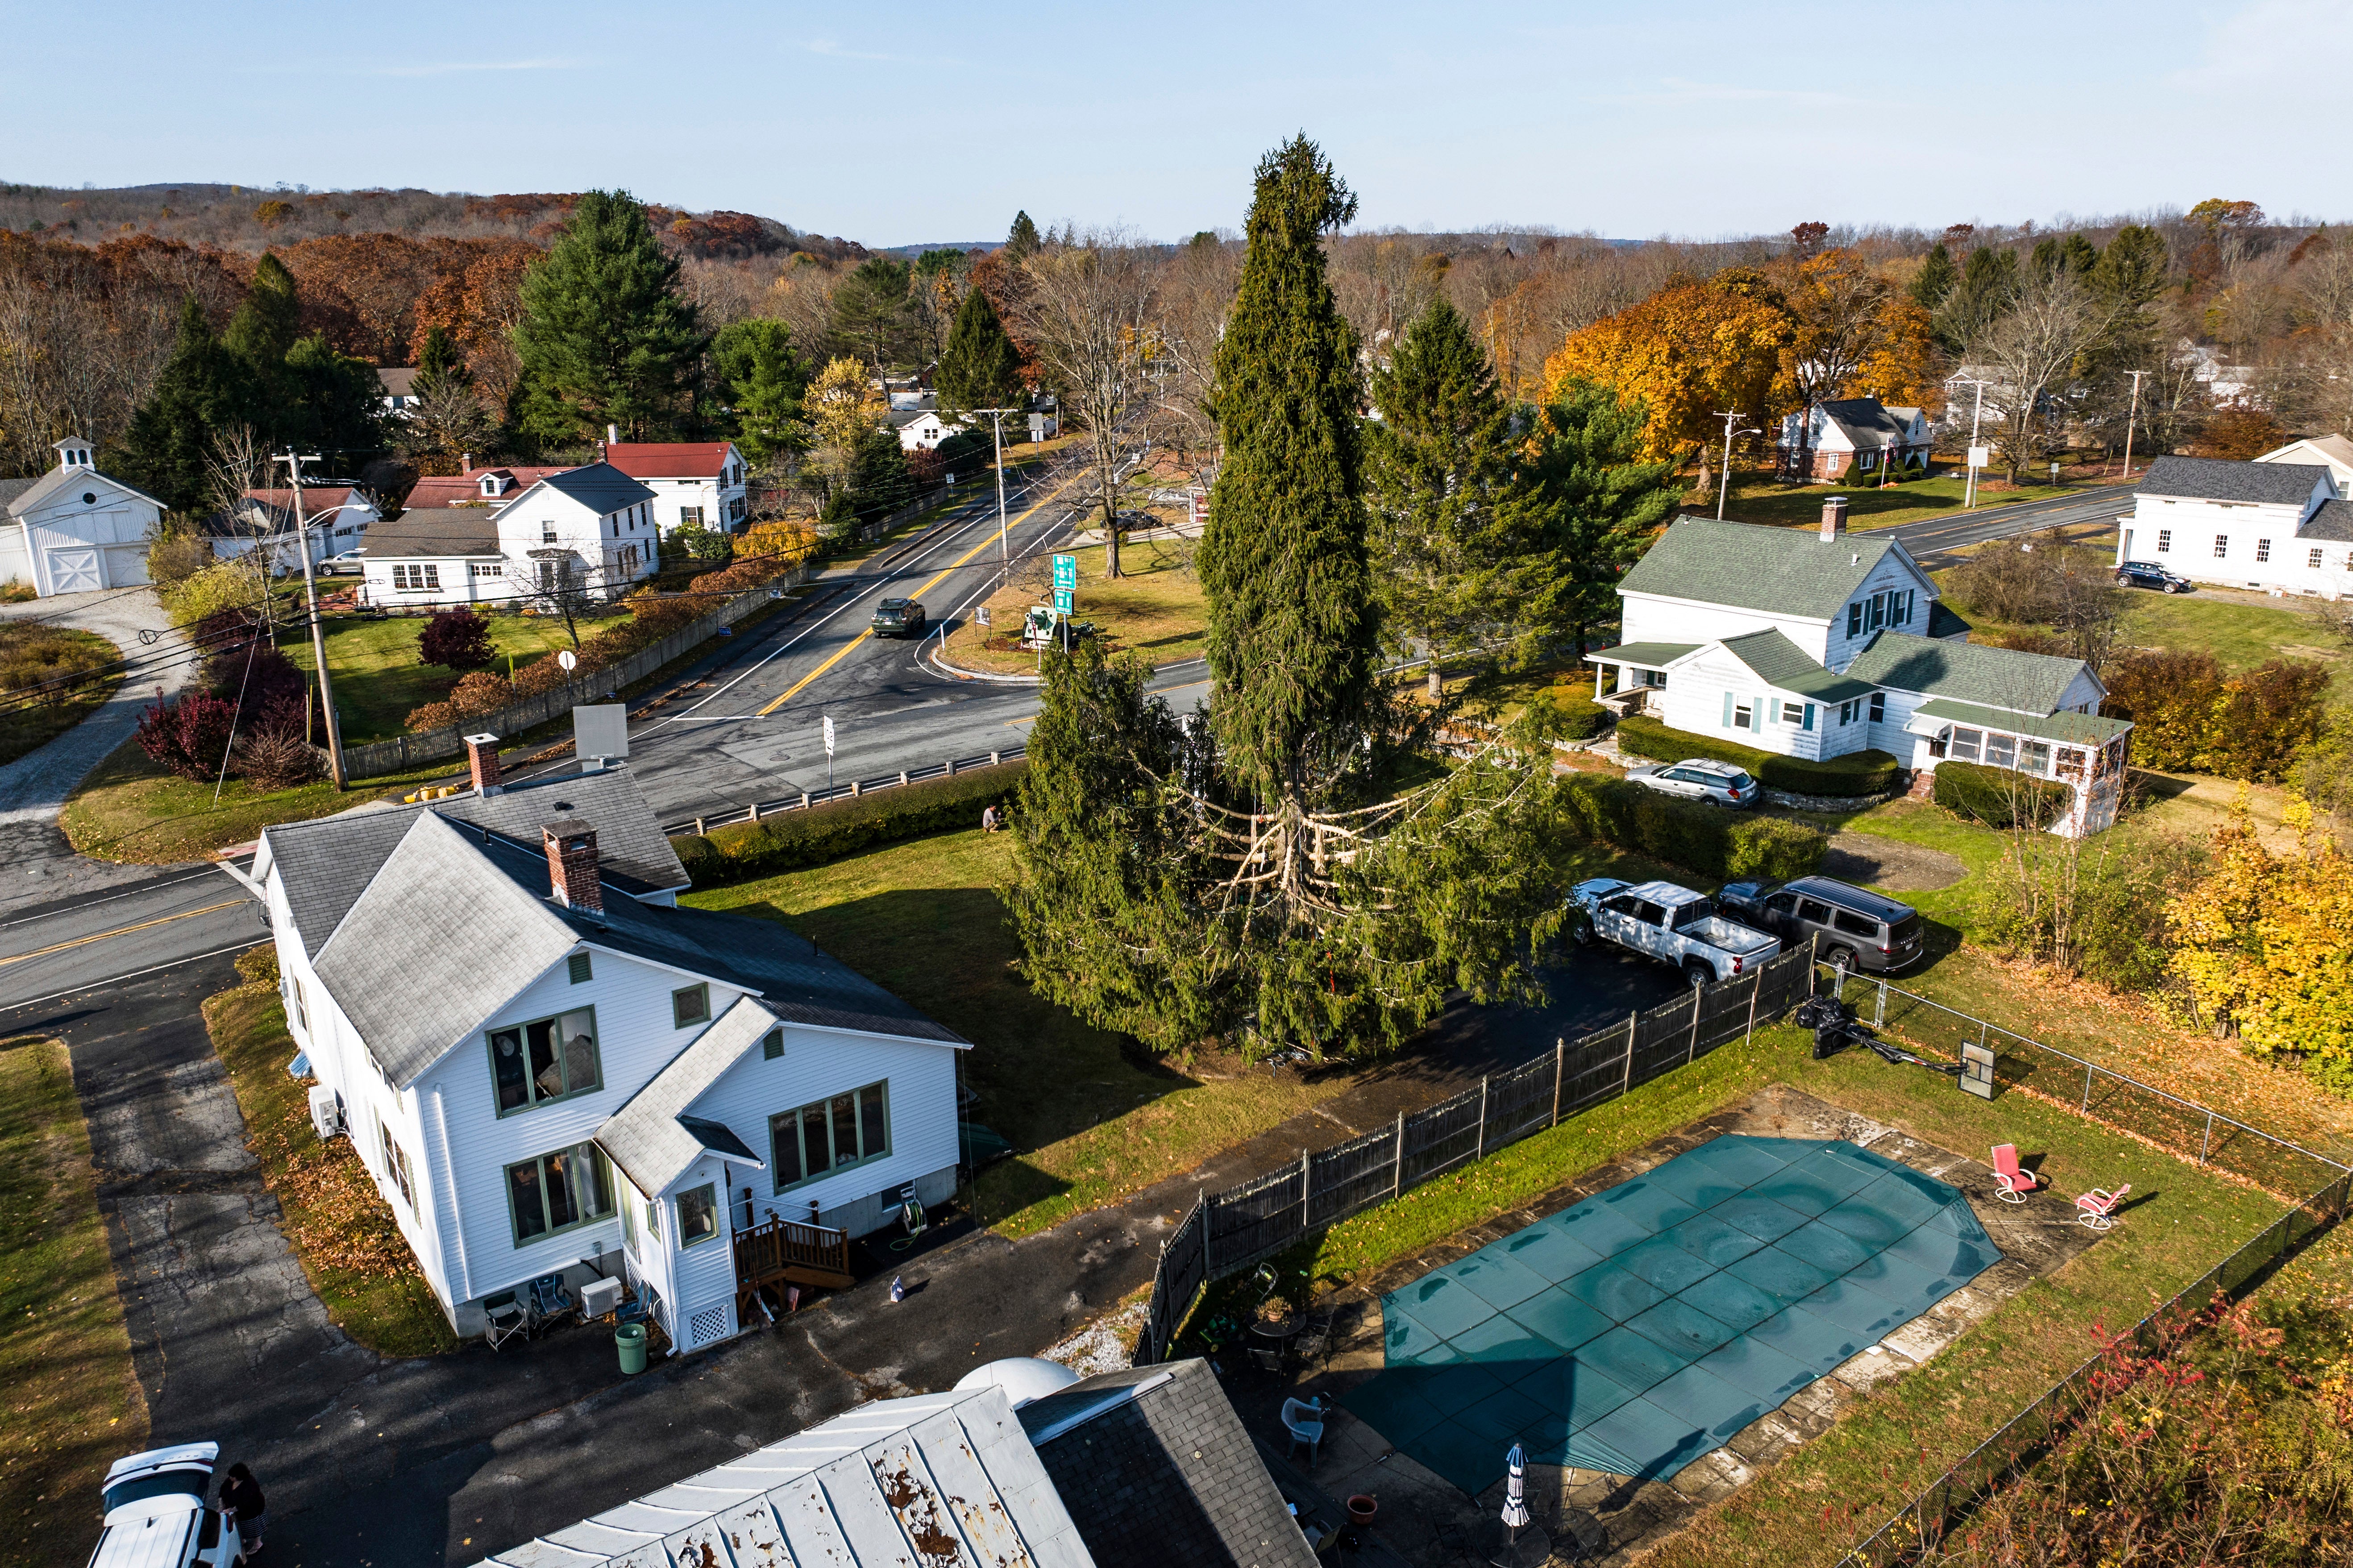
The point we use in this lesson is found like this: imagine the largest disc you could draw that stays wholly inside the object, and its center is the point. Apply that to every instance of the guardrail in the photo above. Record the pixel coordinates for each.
(699, 826)
(1915, 1531)
(1230, 1231)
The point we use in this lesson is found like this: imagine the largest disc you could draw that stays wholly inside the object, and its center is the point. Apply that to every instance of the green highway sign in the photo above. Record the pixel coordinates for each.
(1066, 574)
(1062, 598)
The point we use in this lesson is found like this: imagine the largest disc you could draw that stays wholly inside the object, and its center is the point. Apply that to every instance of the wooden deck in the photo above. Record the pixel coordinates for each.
(788, 1252)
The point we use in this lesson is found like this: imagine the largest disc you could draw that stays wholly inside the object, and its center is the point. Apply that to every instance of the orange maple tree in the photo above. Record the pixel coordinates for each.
(1688, 351)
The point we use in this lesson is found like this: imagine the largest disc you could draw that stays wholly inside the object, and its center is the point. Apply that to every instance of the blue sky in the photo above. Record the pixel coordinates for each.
(922, 121)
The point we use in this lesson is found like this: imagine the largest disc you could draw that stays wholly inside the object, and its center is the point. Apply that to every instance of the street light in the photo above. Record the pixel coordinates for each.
(1724, 487)
(1969, 496)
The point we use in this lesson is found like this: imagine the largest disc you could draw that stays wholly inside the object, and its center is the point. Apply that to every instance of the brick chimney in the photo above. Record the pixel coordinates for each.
(571, 864)
(1833, 517)
(482, 757)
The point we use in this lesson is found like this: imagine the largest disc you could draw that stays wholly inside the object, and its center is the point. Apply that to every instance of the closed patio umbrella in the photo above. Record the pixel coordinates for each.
(1515, 1507)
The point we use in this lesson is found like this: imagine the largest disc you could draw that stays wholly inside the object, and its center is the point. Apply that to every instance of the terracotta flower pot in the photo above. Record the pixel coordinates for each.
(1361, 1510)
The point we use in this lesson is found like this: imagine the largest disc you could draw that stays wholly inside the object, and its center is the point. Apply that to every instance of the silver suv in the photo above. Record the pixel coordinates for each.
(1849, 926)
(1699, 779)
(155, 1512)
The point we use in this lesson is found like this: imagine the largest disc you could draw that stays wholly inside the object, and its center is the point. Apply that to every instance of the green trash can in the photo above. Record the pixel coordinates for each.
(631, 1339)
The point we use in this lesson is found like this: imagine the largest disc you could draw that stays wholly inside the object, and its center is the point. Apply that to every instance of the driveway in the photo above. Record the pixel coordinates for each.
(39, 865)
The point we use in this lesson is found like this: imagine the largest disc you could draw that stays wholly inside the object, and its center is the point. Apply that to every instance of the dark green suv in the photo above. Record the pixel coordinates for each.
(899, 618)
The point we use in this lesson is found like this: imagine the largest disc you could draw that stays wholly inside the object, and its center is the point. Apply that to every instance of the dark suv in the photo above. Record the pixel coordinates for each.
(2150, 574)
(1848, 925)
(899, 618)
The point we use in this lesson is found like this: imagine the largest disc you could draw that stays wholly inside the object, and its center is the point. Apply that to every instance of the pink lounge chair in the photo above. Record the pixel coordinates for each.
(2097, 1208)
(2010, 1184)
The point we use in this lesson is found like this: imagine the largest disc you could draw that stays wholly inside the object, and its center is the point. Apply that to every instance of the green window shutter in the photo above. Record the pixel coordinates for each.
(1810, 716)
(1728, 710)
(1854, 619)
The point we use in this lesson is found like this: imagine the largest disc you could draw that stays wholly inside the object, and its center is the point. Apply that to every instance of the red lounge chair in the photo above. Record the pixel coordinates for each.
(2010, 1184)
(2097, 1208)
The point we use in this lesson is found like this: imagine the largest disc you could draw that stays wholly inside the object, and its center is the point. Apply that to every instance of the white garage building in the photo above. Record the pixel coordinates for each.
(74, 530)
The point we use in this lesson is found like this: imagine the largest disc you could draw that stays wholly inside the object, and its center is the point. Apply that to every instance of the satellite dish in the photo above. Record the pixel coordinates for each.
(568, 659)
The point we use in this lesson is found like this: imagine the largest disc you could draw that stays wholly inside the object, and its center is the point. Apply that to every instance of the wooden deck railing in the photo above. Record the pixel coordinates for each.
(793, 1251)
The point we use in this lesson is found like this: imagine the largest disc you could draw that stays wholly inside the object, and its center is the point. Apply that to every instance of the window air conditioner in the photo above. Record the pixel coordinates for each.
(326, 1111)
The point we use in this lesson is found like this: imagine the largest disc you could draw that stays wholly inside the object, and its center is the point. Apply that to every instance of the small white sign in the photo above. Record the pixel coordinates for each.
(569, 660)
(980, 615)
(828, 734)
(1981, 457)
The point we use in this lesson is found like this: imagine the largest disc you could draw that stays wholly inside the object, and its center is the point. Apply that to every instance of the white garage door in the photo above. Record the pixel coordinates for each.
(126, 566)
(74, 572)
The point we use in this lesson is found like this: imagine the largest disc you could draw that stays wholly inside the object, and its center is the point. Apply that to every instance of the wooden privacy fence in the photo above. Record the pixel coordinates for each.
(404, 752)
(1227, 1232)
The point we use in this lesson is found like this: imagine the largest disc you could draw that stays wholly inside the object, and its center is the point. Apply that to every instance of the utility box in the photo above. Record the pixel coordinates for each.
(326, 1113)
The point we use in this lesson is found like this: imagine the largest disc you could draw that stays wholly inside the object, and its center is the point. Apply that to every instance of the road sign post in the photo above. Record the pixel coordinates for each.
(828, 750)
(1064, 600)
(1066, 571)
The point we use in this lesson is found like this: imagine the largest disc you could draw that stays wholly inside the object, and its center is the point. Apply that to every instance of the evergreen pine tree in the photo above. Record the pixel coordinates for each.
(1935, 280)
(269, 321)
(328, 402)
(1021, 241)
(203, 389)
(1438, 480)
(873, 315)
(1988, 279)
(1294, 630)
(1597, 508)
(765, 379)
(604, 336)
(981, 368)
(441, 363)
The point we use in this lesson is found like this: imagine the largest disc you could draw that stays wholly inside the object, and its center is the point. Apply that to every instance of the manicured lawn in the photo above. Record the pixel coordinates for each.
(378, 679)
(72, 1405)
(341, 1228)
(1155, 604)
(1757, 500)
(2240, 635)
(129, 809)
(1090, 1117)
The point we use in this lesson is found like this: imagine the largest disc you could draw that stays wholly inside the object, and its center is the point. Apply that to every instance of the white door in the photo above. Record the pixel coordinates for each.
(74, 572)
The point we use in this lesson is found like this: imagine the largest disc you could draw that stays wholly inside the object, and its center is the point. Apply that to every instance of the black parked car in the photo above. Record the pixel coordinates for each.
(899, 618)
(2150, 574)
(1848, 925)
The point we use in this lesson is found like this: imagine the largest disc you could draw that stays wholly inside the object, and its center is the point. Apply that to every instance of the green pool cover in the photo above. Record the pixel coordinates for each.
(1648, 1324)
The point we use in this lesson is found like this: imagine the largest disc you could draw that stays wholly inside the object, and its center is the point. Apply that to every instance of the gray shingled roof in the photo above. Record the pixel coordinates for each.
(11, 488)
(1643, 655)
(600, 487)
(651, 1137)
(55, 479)
(328, 861)
(1867, 422)
(1966, 672)
(435, 530)
(953, 1472)
(2076, 729)
(1786, 571)
(1161, 1472)
(2331, 522)
(2215, 479)
(1783, 665)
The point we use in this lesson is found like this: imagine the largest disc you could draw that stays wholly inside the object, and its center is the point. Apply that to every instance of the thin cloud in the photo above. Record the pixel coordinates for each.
(833, 50)
(452, 68)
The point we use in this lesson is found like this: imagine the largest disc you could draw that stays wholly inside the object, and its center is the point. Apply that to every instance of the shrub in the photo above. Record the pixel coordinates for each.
(16, 591)
(1709, 841)
(698, 543)
(1579, 718)
(792, 839)
(189, 735)
(175, 558)
(273, 755)
(539, 675)
(255, 675)
(653, 616)
(1998, 796)
(258, 965)
(32, 655)
(223, 585)
(482, 692)
(456, 639)
(1856, 774)
(2094, 908)
(2190, 716)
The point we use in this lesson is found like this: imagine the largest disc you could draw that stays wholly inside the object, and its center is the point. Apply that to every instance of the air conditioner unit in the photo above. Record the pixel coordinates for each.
(326, 1111)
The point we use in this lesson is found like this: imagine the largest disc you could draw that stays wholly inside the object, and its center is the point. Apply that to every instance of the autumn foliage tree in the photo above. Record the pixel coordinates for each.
(1685, 353)
(1856, 335)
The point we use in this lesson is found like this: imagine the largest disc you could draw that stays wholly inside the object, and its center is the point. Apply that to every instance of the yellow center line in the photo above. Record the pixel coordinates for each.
(842, 652)
(120, 931)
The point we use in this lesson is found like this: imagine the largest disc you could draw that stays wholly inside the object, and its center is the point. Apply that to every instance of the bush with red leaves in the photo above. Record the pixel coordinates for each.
(190, 735)
(456, 639)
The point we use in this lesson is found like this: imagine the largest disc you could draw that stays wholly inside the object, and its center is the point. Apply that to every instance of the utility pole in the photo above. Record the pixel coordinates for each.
(2129, 416)
(293, 461)
(1724, 487)
(997, 418)
(1969, 497)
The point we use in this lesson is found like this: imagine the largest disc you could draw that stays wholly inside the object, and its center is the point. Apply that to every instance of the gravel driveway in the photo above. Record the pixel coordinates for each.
(39, 865)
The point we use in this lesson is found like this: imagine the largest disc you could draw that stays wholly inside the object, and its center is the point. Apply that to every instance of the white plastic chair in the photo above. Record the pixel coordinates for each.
(1303, 1419)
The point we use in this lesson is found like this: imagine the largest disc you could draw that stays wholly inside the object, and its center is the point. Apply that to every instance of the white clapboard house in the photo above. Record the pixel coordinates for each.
(589, 531)
(1816, 644)
(551, 1068)
(694, 483)
(2277, 526)
(73, 529)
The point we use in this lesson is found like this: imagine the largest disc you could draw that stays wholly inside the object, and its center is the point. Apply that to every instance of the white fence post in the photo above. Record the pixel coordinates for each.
(1560, 1072)
(1482, 1118)
(1397, 1165)
(1754, 992)
(1306, 1192)
(1627, 1084)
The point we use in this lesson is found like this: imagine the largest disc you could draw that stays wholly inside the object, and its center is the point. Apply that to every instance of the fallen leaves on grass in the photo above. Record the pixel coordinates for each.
(333, 1212)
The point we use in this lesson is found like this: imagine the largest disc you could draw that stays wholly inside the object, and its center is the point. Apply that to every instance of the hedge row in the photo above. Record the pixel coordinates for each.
(1710, 840)
(1999, 797)
(792, 839)
(1856, 774)
(1582, 718)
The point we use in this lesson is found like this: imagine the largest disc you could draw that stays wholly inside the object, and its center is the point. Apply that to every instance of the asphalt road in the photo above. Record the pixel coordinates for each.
(77, 947)
(1937, 535)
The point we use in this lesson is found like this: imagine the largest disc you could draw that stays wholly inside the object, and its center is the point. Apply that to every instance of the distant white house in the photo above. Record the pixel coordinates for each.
(2333, 452)
(700, 482)
(2278, 526)
(551, 1068)
(920, 425)
(73, 529)
(480, 485)
(1818, 644)
(589, 530)
(1852, 439)
(399, 390)
(335, 516)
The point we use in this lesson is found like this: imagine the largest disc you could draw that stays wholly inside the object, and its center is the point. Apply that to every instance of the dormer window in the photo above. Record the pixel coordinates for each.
(494, 484)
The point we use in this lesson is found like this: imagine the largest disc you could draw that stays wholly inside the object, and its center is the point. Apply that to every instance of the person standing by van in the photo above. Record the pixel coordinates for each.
(240, 1494)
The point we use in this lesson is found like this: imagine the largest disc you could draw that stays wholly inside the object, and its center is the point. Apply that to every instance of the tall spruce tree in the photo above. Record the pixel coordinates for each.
(1440, 483)
(1935, 280)
(606, 337)
(765, 379)
(269, 322)
(441, 363)
(1596, 507)
(203, 389)
(1021, 241)
(981, 368)
(1295, 633)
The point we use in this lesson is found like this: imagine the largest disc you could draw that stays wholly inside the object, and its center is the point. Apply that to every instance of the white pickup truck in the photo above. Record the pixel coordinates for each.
(155, 1512)
(1672, 924)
